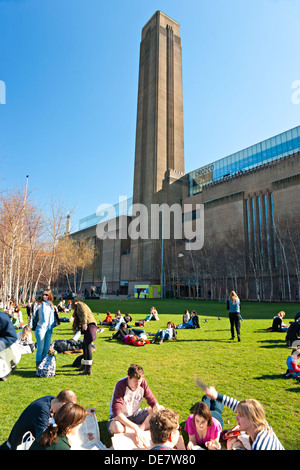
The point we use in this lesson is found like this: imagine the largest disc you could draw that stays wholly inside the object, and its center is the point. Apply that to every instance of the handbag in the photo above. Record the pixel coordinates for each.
(27, 440)
(47, 367)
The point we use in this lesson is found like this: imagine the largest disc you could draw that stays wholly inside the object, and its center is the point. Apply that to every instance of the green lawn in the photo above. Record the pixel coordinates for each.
(253, 368)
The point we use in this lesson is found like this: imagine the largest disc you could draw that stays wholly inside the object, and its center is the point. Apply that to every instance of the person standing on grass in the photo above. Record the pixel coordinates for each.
(251, 419)
(42, 322)
(85, 320)
(234, 306)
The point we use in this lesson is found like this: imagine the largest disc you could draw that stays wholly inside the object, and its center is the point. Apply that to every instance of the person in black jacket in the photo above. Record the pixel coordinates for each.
(35, 418)
(192, 323)
(293, 333)
(124, 331)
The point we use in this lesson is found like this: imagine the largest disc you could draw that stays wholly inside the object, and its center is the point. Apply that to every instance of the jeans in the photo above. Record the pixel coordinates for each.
(216, 408)
(162, 334)
(43, 342)
(184, 325)
(234, 318)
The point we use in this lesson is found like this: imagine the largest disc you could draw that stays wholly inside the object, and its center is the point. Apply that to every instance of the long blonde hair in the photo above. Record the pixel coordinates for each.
(233, 296)
(254, 411)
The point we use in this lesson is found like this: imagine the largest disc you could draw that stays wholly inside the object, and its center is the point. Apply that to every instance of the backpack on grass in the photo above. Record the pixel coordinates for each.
(47, 367)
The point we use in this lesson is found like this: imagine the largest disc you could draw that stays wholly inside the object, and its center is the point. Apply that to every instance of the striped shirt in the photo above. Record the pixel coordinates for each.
(266, 439)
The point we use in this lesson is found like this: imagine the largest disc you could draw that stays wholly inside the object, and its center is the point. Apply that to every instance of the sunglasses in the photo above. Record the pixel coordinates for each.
(46, 295)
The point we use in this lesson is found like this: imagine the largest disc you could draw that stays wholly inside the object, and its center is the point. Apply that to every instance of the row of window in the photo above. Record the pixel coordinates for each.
(261, 231)
(268, 150)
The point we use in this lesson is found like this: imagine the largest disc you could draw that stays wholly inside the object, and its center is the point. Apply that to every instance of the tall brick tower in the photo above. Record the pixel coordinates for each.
(159, 150)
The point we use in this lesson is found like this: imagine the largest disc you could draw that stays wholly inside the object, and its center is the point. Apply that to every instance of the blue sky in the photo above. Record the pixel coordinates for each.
(70, 69)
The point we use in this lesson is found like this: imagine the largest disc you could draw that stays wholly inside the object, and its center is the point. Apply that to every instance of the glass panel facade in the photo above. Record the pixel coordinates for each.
(121, 208)
(266, 151)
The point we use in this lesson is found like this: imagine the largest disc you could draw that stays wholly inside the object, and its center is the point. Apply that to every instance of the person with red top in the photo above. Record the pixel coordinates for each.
(292, 364)
(125, 406)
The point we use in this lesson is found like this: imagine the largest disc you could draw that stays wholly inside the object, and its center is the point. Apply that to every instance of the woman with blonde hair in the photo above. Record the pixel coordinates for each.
(55, 437)
(234, 306)
(278, 324)
(251, 419)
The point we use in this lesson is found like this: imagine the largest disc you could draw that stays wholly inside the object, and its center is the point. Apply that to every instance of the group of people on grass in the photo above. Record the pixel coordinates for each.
(53, 421)
(204, 426)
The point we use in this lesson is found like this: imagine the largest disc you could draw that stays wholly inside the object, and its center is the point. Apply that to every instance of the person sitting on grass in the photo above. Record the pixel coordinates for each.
(192, 323)
(165, 430)
(166, 335)
(107, 321)
(278, 324)
(186, 317)
(293, 333)
(127, 318)
(55, 436)
(293, 368)
(125, 407)
(153, 315)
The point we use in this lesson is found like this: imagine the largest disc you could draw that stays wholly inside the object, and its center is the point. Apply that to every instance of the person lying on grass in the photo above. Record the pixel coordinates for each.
(165, 335)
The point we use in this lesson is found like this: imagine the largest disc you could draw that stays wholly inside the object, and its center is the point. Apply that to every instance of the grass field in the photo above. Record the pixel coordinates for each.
(253, 368)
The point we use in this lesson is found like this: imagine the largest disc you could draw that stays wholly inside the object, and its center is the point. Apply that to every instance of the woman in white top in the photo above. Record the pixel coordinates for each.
(44, 317)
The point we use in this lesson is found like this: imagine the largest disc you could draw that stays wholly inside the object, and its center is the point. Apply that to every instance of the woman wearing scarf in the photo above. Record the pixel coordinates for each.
(45, 319)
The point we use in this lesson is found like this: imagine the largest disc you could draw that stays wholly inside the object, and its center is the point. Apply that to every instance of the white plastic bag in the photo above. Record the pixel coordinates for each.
(27, 440)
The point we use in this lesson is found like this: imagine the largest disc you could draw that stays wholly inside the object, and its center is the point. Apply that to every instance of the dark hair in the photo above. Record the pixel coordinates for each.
(67, 417)
(162, 424)
(135, 371)
(201, 409)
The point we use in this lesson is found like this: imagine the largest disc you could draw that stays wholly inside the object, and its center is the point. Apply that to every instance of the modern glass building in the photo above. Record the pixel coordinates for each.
(266, 151)
(123, 207)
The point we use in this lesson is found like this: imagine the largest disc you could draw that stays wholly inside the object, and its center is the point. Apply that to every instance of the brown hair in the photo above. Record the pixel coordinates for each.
(67, 417)
(201, 409)
(135, 371)
(50, 296)
(162, 424)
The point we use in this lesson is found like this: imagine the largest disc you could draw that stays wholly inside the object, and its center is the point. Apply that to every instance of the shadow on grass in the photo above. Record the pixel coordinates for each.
(274, 344)
(272, 377)
(25, 373)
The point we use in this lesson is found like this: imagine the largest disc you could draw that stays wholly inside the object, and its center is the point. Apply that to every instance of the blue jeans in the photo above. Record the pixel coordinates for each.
(184, 325)
(162, 334)
(216, 408)
(43, 342)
